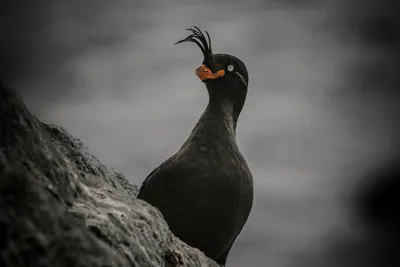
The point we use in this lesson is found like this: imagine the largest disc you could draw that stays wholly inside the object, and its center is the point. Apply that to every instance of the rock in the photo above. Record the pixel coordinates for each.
(60, 206)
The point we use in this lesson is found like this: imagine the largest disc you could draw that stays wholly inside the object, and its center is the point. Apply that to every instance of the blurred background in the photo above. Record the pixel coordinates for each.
(319, 128)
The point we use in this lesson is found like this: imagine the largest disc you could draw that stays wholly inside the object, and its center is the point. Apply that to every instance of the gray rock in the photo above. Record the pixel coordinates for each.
(60, 206)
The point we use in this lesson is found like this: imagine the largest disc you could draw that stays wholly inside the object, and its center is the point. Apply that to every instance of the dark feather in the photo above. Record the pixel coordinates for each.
(203, 42)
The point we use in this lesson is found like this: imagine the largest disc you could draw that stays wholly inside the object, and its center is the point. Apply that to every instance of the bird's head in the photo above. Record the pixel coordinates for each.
(225, 75)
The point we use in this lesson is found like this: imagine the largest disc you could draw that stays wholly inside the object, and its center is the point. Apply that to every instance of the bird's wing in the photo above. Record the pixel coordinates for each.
(161, 185)
(169, 187)
(143, 188)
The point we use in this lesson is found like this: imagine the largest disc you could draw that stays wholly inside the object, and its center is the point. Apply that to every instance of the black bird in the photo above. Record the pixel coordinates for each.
(205, 190)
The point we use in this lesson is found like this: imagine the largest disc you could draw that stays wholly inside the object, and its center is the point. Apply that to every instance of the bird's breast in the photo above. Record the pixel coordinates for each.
(217, 164)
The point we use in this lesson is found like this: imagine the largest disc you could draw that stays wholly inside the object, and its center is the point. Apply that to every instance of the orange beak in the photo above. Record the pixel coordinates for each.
(205, 73)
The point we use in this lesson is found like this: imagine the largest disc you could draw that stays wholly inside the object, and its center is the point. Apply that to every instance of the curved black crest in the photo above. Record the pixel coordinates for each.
(200, 39)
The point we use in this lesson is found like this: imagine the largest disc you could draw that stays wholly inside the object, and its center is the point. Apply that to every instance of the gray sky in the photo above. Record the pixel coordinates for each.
(312, 125)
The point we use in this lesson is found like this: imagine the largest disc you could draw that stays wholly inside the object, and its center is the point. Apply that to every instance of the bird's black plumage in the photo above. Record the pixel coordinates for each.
(205, 190)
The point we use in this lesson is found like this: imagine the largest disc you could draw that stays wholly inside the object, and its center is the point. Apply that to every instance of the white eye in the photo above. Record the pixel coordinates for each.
(230, 67)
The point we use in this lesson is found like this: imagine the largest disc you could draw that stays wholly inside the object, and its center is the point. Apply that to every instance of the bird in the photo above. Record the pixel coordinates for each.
(205, 190)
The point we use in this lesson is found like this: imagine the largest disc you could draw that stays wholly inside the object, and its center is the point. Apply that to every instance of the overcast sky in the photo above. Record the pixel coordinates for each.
(320, 111)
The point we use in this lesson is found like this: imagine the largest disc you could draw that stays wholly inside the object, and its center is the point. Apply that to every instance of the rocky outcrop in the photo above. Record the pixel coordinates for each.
(60, 206)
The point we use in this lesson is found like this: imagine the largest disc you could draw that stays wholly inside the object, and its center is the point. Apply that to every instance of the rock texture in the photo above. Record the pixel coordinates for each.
(59, 206)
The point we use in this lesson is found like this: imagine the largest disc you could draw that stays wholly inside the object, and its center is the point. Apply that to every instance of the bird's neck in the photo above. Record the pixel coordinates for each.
(217, 124)
(220, 112)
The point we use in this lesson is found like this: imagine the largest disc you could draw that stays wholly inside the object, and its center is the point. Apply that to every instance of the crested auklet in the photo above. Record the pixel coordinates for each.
(205, 190)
